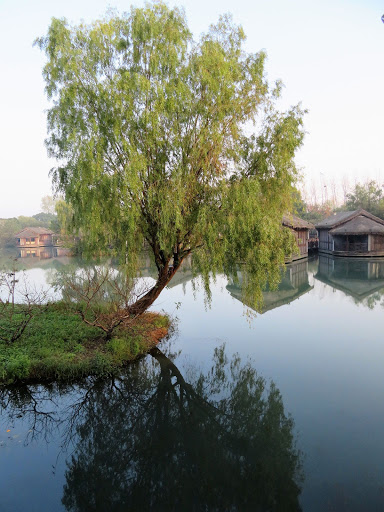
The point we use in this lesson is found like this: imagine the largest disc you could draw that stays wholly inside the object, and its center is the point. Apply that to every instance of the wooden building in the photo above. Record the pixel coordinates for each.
(354, 233)
(300, 229)
(35, 237)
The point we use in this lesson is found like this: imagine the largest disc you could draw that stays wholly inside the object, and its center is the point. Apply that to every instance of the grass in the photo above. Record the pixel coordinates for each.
(57, 345)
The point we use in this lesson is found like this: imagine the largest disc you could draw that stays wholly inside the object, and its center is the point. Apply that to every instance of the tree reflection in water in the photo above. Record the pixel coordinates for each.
(150, 440)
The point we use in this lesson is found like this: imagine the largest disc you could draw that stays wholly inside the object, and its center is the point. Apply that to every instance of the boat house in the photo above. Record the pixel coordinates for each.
(354, 233)
(300, 229)
(35, 237)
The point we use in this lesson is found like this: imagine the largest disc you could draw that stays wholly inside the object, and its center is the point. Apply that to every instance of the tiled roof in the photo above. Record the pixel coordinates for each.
(32, 232)
(340, 218)
(359, 225)
(336, 218)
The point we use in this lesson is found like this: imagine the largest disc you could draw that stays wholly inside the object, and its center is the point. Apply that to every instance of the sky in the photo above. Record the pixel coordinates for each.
(328, 54)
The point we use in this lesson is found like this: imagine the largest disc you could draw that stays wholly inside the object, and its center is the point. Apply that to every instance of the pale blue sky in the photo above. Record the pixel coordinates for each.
(329, 55)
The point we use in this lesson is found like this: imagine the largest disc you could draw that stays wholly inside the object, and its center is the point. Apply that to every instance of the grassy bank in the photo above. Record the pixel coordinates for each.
(57, 345)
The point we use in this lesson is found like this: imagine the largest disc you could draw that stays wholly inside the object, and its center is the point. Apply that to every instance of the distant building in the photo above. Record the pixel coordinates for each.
(35, 237)
(355, 233)
(300, 229)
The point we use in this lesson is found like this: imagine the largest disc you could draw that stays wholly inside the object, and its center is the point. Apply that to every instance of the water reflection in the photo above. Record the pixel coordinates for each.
(43, 253)
(161, 439)
(359, 278)
(294, 283)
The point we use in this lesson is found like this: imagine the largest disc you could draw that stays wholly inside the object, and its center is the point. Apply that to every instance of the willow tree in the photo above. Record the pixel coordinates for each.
(151, 132)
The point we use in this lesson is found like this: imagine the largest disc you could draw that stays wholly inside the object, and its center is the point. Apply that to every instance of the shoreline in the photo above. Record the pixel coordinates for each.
(58, 346)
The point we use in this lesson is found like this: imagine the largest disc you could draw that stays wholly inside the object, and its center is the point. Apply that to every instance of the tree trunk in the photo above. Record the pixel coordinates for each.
(141, 305)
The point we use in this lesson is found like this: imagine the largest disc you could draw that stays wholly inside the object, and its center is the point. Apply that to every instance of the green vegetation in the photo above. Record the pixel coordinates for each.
(57, 345)
(9, 227)
(150, 132)
(47, 218)
(48, 204)
(368, 196)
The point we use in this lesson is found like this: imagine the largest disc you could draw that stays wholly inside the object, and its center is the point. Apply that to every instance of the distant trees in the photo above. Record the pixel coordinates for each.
(44, 219)
(9, 227)
(48, 204)
(368, 196)
(311, 212)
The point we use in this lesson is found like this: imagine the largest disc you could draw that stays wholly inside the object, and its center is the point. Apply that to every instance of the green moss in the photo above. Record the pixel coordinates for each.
(57, 345)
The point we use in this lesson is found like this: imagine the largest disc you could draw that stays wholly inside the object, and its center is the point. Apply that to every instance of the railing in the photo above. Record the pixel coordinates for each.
(352, 247)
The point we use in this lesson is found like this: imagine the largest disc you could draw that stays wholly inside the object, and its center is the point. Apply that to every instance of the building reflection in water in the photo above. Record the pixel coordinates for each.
(294, 283)
(43, 253)
(357, 277)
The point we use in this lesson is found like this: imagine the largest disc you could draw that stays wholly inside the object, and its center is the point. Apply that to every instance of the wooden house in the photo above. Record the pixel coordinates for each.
(35, 237)
(354, 233)
(300, 229)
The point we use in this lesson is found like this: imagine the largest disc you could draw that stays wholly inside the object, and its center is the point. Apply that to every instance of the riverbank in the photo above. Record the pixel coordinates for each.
(57, 345)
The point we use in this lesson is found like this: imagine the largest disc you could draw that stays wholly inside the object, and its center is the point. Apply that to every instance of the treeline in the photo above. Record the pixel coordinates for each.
(9, 227)
(369, 196)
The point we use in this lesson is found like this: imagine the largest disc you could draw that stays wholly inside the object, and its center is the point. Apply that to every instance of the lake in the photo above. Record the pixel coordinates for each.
(281, 410)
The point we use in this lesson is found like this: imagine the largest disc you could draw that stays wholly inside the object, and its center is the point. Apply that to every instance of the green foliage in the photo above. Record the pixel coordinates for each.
(15, 317)
(17, 367)
(150, 130)
(124, 349)
(368, 196)
(64, 219)
(28, 222)
(48, 205)
(317, 212)
(299, 206)
(57, 345)
(9, 227)
(100, 295)
(44, 219)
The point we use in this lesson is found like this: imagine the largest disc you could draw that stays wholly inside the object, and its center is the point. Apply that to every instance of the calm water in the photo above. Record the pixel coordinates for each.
(284, 411)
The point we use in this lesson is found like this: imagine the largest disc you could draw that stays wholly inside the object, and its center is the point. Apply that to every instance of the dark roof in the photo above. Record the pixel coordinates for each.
(341, 218)
(31, 232)
(292, 221)
(335, 219)
(359, 225)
